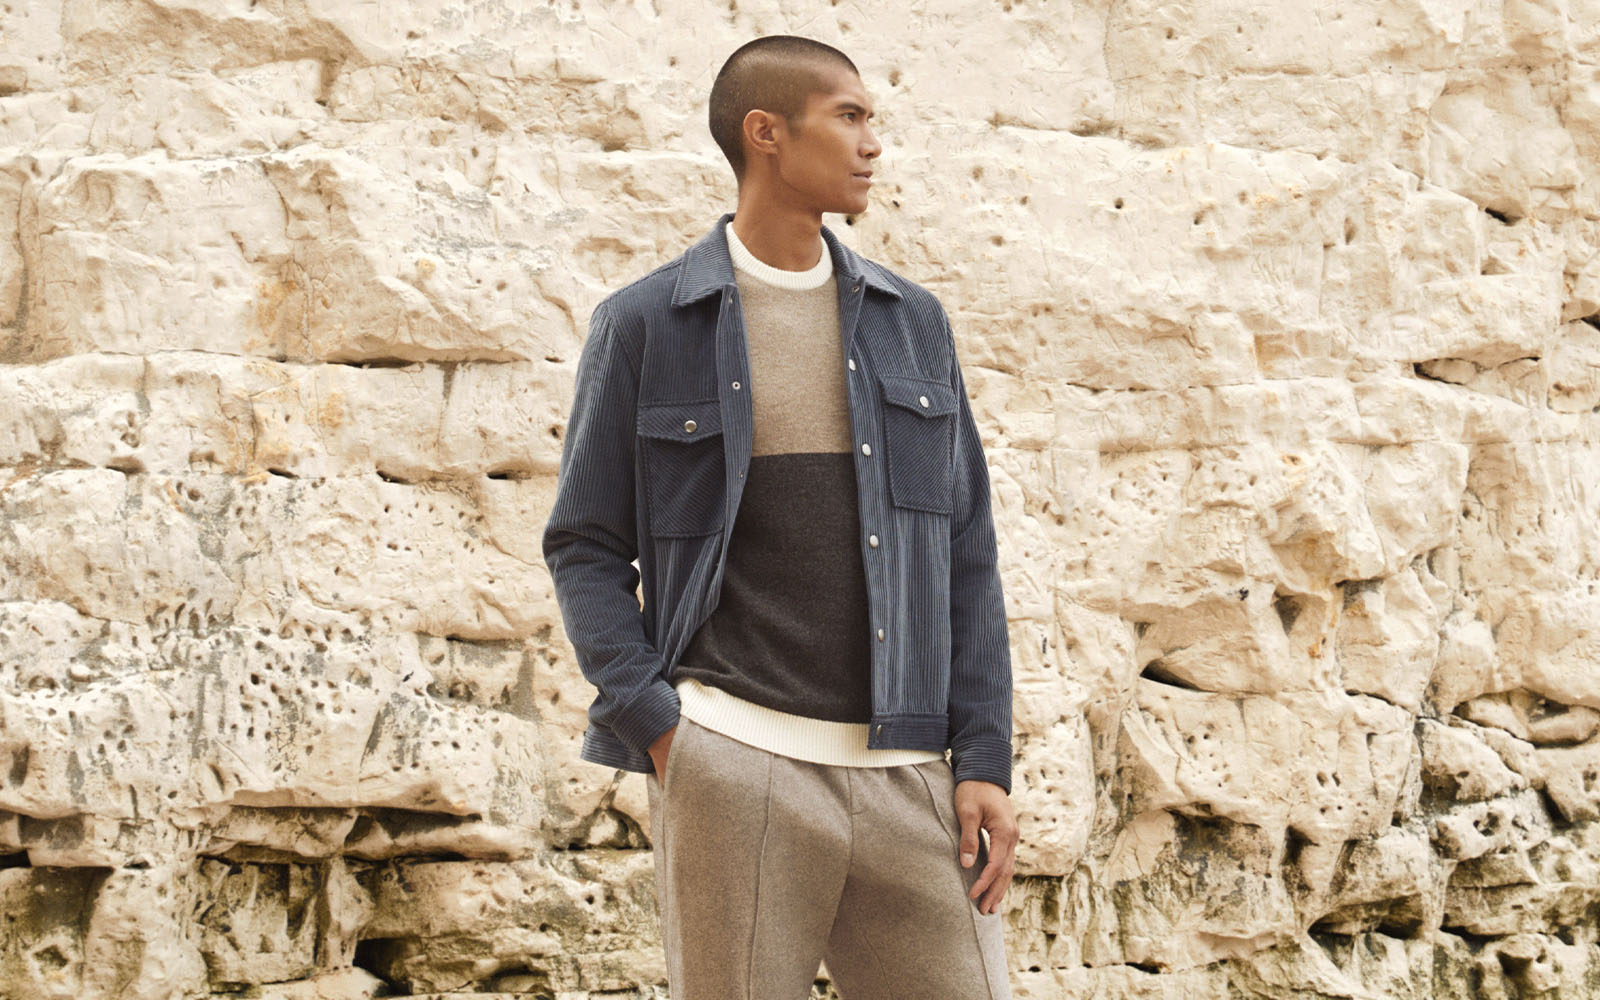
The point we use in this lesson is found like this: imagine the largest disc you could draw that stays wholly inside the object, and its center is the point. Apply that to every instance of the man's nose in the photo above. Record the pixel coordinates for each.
(870, 147)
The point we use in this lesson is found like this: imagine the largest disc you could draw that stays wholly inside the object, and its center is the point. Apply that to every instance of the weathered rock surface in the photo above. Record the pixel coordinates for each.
(1281, 323)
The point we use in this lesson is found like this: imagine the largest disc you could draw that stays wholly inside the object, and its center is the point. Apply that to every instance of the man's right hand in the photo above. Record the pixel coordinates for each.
(659, 750)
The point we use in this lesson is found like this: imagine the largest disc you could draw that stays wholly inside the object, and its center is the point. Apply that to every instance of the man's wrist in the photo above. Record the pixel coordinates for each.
(660, 743)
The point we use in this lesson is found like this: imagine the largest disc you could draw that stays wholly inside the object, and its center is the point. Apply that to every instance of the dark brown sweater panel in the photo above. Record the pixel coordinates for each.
(791, 629)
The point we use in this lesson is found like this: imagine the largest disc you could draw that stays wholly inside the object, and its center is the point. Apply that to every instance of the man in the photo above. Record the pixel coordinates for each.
(777, 430)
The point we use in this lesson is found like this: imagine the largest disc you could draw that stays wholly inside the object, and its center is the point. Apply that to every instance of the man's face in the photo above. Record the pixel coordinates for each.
(826, 161)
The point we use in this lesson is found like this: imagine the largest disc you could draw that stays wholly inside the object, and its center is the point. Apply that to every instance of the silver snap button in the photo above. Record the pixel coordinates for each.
(921, 399)
(879, 730)
(852, 364)
(855, 288)
(866, 449)
(736, 389)
(880, 635)
(872, 540)
(689, 426)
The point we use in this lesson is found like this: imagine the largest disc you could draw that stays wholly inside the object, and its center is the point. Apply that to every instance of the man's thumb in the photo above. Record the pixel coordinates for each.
(969, 842)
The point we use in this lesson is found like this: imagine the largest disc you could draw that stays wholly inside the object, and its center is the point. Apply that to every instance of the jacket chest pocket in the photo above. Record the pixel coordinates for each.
(681, 448)
(919, 435)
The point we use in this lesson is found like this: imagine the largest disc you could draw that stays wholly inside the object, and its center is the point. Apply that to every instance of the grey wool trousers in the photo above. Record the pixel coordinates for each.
(767, 865)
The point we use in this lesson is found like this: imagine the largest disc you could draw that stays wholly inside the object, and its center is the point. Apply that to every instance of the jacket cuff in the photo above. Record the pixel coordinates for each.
(654, 711)
(983, 760)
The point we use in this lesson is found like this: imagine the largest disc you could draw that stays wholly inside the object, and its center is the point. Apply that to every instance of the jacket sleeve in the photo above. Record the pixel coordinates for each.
(590, 544)
(980, 649)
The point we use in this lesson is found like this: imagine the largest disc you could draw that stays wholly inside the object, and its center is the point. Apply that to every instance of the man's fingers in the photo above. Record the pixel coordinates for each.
(1002, 858)
(1013, 834)
(996, 875)
(991, 902)
(991, 871)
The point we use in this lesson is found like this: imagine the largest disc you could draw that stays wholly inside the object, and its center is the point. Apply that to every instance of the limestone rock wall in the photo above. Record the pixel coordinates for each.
(1281, 321)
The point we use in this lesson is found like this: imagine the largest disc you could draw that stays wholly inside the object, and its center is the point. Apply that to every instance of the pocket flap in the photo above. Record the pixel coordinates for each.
(922, 396)
(680, 421)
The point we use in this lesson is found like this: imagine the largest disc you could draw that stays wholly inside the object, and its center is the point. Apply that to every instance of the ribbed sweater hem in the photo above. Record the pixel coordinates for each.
(821, 741)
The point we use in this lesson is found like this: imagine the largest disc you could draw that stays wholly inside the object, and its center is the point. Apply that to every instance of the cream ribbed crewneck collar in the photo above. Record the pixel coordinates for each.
(747, 262)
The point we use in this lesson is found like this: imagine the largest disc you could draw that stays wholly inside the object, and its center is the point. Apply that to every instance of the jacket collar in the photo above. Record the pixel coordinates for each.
(708, 267)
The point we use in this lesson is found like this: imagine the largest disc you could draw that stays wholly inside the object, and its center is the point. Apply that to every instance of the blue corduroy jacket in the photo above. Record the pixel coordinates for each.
(653, 466)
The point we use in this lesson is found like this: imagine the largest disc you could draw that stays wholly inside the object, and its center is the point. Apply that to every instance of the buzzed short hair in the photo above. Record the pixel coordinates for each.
(775, 73)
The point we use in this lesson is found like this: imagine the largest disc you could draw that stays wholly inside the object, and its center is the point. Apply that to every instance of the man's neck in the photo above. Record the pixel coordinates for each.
(785, 239)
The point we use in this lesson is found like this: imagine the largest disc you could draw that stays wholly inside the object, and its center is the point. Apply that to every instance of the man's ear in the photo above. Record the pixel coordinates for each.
(761, 131)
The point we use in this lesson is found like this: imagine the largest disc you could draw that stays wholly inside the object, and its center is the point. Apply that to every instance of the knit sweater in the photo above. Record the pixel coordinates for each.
(784, 662)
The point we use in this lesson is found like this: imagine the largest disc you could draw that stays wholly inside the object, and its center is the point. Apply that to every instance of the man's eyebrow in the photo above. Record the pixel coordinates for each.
(852, 106)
